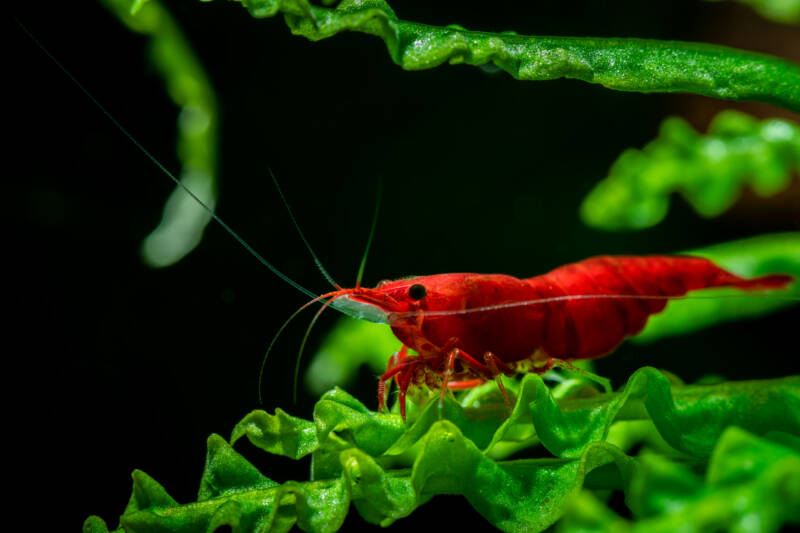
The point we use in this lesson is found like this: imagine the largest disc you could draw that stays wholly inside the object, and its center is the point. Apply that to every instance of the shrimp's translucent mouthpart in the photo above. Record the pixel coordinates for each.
(361, 310)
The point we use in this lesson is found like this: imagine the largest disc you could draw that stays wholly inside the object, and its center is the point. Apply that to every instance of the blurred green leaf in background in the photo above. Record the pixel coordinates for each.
(709, 171)
(183, 221)
(786, 11)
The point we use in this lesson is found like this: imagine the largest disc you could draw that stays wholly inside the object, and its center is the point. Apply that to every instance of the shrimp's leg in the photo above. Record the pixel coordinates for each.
(466, 384)
(399, 355)
(403, 369)
(476, 366)
(403, 373)
(498, 367)
(448, 373)
(403, 379)
(481, 370)
(385, 381)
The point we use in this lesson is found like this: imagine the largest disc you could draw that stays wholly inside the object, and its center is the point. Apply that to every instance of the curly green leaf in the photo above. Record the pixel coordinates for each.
(688, 417)
(758, 474)
(440, 456)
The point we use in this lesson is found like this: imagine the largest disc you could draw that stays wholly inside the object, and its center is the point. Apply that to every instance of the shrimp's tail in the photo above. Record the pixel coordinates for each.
(696, 273)
(771, 281)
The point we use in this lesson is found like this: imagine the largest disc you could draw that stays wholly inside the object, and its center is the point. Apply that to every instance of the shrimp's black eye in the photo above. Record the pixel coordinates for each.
(417, 291)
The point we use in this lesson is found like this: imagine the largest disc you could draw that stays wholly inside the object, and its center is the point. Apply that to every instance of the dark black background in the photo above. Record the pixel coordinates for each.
(130, 367)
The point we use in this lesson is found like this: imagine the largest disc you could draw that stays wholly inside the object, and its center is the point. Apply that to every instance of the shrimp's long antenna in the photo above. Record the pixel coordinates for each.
(371, 233)
(163, 169)
(280, 330)
(303, 237)
(303, 345)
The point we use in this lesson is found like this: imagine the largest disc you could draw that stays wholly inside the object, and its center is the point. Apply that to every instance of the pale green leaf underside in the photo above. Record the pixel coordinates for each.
(640, 65)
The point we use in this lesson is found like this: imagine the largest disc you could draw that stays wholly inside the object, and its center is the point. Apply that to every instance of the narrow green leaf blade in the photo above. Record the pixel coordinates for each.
(623, 64)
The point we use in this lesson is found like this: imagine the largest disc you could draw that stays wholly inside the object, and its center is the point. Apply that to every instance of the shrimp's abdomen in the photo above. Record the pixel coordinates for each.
(584, 327)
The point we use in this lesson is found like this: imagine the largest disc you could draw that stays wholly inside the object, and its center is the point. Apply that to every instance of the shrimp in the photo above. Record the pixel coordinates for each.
(469, 328)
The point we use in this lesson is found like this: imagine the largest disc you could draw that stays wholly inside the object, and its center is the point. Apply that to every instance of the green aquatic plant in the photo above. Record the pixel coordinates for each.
(386, 469)
(758, 473)
(622, 64)
(709, 171)
(720, 455)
